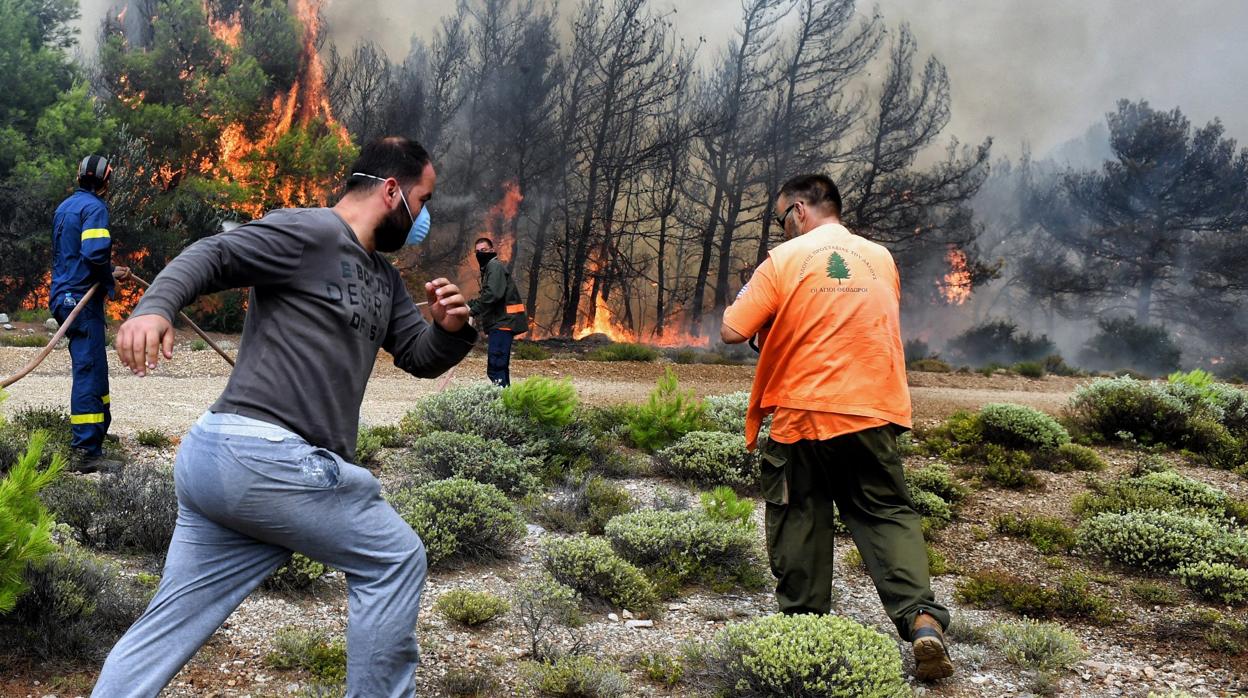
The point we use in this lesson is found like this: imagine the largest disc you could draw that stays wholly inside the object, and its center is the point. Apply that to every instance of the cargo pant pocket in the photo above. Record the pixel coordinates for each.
(773, 478)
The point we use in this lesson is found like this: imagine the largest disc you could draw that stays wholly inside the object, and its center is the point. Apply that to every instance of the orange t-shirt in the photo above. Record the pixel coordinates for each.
(828, 306)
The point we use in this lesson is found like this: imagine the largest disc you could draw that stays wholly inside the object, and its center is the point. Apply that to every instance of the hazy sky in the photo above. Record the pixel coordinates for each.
(1036, 70)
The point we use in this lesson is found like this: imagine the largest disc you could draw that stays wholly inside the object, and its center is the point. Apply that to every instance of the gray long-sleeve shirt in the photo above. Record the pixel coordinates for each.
(320, 308)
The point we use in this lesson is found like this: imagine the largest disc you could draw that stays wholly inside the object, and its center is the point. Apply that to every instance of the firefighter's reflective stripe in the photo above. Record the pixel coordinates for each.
(515, 308)
(95, 233)
(107, 399)
(96, 418)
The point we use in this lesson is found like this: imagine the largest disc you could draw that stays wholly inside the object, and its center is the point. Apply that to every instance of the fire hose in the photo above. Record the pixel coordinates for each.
(73, 315)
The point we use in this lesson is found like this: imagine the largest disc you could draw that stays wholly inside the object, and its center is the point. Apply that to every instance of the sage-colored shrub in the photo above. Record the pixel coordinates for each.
(1020, 427)
(1161, 540)
(471, 457)
(593, 568)
(710, 459)
(471, 608)
(801, 655)
(461, 520)
(683, 547)
(1216, 581)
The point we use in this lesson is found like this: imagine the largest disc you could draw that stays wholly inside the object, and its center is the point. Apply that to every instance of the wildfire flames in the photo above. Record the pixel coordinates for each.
(955, 287)
(305, 104)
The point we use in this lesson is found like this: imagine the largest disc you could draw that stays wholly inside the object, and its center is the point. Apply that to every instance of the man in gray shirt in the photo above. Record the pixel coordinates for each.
(268, 470)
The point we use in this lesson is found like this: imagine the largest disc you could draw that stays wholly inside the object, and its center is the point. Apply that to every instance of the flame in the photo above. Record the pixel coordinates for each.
(228, 31)
(38, 298)
(600, 321)
(496, 225)
(240, 157)
(128, 292)
(955, 286)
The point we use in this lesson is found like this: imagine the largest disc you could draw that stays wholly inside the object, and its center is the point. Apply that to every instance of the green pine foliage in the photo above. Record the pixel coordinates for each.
(549, 402)
(667, 415)
(25, 525)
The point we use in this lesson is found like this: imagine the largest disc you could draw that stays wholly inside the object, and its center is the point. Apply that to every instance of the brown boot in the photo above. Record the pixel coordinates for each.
(931, 658)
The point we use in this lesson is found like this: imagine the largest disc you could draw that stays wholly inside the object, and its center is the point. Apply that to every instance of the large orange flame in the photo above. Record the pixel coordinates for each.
(955, 286)
(304, 103)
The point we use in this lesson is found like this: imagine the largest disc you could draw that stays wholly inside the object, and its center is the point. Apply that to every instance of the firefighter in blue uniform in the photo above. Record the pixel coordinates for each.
(82, 257)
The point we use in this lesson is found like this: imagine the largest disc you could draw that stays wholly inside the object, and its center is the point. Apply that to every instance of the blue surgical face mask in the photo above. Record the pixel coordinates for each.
(420, 227)
(420, 223)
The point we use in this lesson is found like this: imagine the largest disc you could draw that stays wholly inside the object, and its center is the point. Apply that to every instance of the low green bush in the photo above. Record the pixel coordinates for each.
(1067, 458)
(1016, 426)
(471, 608)
(623, 351)
(25, 341)
(1049, 535)
(1030, 369)
(726, 413)
(663, 669)
(470, 682)
(998, 342)
(683, 547)
(24, 423)
(529, 351)
(1044, 647)
(667, 415)
(938, 479)
(298, 575)
(1151, 593)
(1056, 365)
(1071, 597)
(801, 655)
(1108, 408)
(311, 651)
(133, 509)
(471, 457)
(710, 459)
(461, 520)
(929, 365)
(576, 677)
(153, 438)
(1216, 581)
(723, 505)
(592, 567)
(1159, 491)
(367, 446)
(585, 506)
(1008, 468)
(470, 409)
(74, 607)
(935, 511)
(548, 402)
(1160, 540)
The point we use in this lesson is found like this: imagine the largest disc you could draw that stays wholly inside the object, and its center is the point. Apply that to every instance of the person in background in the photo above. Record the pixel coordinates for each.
(497, 311)
(268, 469)
(82, 249)
(825, 306)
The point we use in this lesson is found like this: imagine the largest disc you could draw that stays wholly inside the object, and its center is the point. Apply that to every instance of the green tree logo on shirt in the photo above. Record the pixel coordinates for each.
(837, 269)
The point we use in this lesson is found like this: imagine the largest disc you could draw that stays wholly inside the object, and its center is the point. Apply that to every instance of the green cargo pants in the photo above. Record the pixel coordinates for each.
(861, 473)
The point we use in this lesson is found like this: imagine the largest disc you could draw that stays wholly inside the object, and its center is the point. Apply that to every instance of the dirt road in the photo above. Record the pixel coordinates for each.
(180, 391)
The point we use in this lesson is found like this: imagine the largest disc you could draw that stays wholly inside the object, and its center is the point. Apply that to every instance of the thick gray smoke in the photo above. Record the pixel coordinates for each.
(1022, 71)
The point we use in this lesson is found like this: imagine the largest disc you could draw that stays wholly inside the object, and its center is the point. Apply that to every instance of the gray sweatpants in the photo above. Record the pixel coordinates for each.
(248, 494)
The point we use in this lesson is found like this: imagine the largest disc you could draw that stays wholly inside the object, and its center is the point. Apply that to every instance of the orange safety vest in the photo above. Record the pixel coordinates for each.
(828, 304)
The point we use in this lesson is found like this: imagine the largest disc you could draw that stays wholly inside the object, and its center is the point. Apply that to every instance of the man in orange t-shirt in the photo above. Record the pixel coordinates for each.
(831, 372)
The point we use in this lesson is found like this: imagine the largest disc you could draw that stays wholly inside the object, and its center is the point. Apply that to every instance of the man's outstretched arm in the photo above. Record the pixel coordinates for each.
(423, 349)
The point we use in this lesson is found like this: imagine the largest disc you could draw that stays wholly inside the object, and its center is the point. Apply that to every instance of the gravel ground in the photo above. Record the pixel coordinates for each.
(1123, 660)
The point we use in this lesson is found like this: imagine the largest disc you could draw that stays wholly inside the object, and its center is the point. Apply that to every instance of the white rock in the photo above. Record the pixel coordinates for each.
(979, 680)
(4, 319)
(51, 324)
(613, 618)
(7, 326)
(640, 624)
(627, 614)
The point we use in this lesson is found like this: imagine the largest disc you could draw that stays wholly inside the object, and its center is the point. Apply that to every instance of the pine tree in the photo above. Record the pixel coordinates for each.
(837, 269)
(25, 526)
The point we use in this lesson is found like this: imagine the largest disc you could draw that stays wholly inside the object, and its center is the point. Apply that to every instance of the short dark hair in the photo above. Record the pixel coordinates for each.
(392, 156)
(485, 240)
(814, 189)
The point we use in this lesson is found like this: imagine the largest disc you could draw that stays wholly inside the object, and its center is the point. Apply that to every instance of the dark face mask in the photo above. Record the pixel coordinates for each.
(483, 258)
(391, 234)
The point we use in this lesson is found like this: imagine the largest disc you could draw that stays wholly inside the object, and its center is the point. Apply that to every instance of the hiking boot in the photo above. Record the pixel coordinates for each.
(931, 656)
(84, 464)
